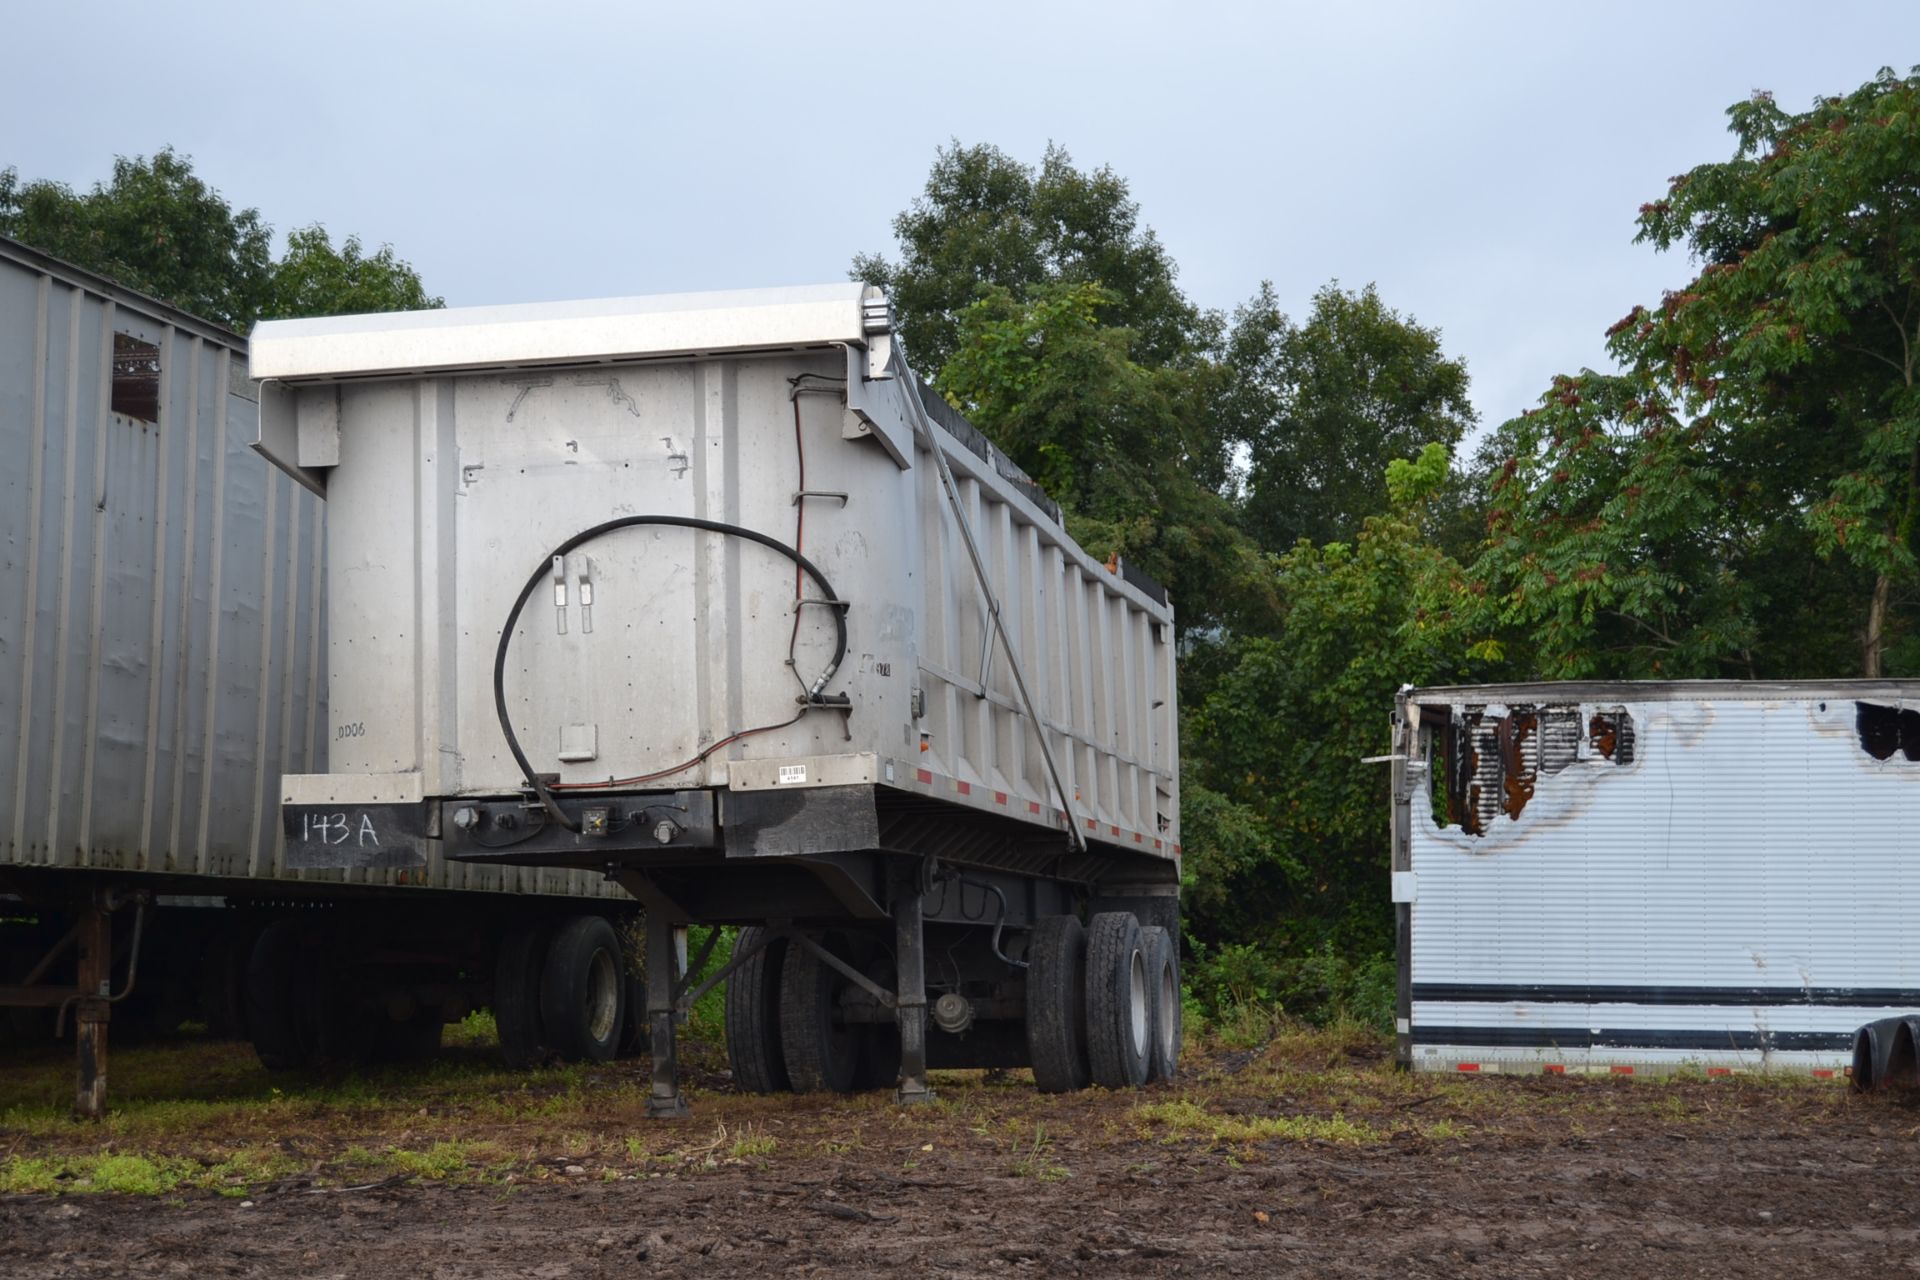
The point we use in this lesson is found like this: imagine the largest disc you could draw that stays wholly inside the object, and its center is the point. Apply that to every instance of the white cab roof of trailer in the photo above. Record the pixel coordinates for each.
(587, 331)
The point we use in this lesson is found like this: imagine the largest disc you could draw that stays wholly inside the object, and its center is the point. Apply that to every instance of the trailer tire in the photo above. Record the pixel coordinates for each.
(583, 990)
(1873, 1047)
(1902, 1069)
(516, 993)
(1057, 1004)
(753, 1016)
(1119, 1009)
(1163, 982)
(272, 998)
(822, 1055)
(223, 984)
(298, 1014)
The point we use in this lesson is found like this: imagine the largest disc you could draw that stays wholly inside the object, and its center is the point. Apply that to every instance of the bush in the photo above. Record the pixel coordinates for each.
(1243, 991)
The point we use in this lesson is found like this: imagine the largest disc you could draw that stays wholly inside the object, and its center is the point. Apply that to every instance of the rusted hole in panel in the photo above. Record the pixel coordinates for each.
(1611, 733)
(1517, 771)
(1559, 738)
(1459, 763)
(1490, 765)
(1885, 730)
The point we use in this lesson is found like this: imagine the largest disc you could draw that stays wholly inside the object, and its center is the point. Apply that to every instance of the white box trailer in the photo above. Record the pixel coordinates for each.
(1639, 877)
(709, 593)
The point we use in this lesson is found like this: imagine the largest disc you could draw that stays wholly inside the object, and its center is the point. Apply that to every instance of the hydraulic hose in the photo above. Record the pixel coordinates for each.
(540, 574)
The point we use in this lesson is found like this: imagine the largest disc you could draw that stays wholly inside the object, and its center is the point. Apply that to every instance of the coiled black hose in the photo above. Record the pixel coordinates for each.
(585, 536)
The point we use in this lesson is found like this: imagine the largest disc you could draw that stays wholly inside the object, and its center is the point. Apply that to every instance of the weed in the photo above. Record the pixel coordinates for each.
(476, 1030)
(1036, 1159)
(1247, 1024)
(750, 1143)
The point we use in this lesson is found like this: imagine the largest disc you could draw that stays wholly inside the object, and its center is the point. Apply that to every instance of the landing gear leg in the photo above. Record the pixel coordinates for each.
(90, 1026)
(665, 1102)
(910, 1008)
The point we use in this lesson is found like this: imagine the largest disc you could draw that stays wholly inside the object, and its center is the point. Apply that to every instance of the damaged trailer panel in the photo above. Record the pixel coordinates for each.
(1632, 877)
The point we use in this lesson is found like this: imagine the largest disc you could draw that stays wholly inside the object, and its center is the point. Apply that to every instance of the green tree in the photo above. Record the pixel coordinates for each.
(315, 279)
(157, 227)
(1611, 549)
(1125, 448)
(1768, 413)
(1288, 845)
(986, 220)
(1323, 404)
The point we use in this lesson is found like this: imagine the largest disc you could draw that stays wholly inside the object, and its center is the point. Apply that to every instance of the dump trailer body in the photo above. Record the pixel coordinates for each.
(1635, 877)
(457, 450)
(710, 593)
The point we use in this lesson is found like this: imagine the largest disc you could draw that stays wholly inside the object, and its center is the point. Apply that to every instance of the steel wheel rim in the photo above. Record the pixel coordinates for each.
(1137, 1002)
(603, 997)
(1169, 1008)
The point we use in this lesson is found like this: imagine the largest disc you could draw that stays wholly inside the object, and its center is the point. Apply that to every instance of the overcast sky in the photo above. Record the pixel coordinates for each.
(1481, 163)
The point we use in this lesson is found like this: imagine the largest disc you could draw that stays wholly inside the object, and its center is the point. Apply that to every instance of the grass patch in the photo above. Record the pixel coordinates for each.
(123, 1174)
(439, 1162)
(1188, 1119)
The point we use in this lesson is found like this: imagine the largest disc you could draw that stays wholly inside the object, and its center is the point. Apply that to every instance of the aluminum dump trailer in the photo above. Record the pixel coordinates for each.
(710, 593)
(1642, 877)
(162, 664)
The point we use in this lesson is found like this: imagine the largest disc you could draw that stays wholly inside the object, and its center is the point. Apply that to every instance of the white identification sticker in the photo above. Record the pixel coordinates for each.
(792, 773)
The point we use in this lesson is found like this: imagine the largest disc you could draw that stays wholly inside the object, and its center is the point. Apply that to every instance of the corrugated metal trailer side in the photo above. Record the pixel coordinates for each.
(160, 593)
(1649, 876)
(162, 640)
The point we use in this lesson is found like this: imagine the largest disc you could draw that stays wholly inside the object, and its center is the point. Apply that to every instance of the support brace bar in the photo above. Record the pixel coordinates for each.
(851, 974)
(685, 1003)
(1075, 836)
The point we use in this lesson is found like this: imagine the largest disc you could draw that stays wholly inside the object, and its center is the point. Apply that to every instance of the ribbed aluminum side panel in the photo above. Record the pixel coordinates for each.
(1100, 663)
(1741, 894)
(161, 631)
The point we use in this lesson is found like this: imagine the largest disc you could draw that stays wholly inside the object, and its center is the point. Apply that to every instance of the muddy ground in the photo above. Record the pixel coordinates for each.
(1309, 1157)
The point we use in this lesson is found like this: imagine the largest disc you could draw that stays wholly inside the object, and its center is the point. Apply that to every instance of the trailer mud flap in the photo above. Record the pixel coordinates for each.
(765, 824)
(379, 837)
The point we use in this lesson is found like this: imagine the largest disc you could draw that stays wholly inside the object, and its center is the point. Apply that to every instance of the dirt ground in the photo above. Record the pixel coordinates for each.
(1309, 1157)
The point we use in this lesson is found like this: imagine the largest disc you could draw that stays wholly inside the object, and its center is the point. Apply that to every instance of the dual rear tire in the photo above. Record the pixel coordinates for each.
(787, 1028)
(1102, 1007)
(1103, 1003)
(561, 991)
